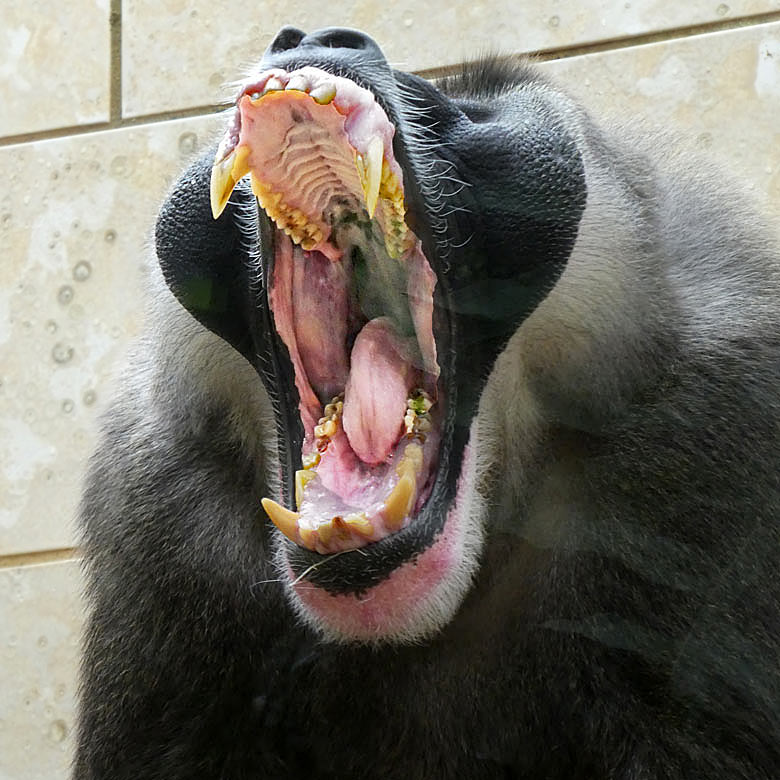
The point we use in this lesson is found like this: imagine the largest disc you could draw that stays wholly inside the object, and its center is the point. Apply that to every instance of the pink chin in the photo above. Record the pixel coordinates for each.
(397, 606)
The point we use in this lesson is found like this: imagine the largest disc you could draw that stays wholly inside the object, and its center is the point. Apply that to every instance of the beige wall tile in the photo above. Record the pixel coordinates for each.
(177, 54)
(54, 64)
(720, 93)
(41, 617)
(70, 281)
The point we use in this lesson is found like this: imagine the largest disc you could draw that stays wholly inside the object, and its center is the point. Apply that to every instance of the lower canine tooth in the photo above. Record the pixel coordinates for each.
(399, 503)
(284, 519)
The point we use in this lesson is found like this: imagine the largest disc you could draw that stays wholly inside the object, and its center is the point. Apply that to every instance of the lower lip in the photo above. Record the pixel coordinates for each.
(397, 606)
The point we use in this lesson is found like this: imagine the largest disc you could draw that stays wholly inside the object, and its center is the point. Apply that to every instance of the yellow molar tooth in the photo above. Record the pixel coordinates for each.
(325, 532)
(391, 187)
(302, 478)
(399, 503)
(284, 519)
(357, 521)
(224, 175)
(386, 172)
(326, 429)
(312, 460)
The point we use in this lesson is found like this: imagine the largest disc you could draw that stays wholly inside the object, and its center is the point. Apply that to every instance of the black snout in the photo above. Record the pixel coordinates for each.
(329, 38)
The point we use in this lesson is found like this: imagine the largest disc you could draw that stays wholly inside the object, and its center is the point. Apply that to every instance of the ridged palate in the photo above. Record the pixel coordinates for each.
(314, 167)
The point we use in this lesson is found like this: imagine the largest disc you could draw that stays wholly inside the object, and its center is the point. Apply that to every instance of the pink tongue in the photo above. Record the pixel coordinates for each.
(375, 396)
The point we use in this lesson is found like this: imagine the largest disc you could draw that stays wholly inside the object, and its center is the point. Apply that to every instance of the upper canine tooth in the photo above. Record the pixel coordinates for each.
(324, 93)
(284, 519)
(372, 163)
(224, 176)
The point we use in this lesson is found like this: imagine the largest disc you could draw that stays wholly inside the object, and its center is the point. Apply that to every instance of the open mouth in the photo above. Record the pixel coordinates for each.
(352, 299)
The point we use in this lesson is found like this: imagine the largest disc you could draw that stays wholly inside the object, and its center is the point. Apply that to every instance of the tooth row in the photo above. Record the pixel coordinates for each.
(323, 93)
(288, 219)
(397, 506)
(392, 196)
(297, 225)
(328, 424)
(416, 420)
(343, 528)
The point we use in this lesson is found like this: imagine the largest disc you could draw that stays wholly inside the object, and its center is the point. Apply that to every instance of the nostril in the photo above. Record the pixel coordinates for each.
(286, 38)
(340, 38)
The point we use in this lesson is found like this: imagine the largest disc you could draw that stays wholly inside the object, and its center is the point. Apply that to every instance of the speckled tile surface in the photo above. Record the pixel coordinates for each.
(720, 93)
(73, 249)
(177, 54)
(40, 628)
(54, 64)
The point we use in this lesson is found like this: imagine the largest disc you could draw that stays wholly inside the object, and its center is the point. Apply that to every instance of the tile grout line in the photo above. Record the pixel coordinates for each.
(115, 62)
(38, 557)
(625, 42)
(678, 33)
(117, 121)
